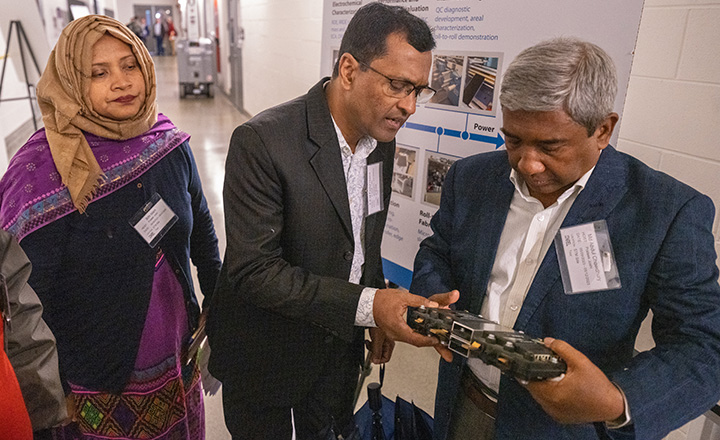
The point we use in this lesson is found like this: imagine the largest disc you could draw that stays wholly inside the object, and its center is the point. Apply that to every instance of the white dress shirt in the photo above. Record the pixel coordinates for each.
(355, 169)
(526, 237)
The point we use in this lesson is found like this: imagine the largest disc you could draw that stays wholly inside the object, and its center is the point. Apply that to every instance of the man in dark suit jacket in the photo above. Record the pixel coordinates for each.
(494, 241)
(306, 196)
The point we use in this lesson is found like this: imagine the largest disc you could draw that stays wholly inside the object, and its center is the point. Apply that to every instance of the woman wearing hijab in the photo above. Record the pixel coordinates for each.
(107, 203)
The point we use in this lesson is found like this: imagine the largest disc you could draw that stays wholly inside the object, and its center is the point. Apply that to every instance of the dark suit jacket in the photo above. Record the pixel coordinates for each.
(284, 305)
(661, 232)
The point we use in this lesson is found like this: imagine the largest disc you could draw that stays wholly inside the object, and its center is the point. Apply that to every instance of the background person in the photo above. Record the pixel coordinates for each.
(493, 241)
(302, 270)
(134, 26)
(145, 30)
(121, 305)
(172, 34)
(159, 32)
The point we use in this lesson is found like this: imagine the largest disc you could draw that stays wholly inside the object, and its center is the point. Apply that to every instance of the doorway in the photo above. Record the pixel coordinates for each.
(235, 37)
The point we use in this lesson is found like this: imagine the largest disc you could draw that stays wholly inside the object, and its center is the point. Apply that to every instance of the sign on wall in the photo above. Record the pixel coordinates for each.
(476, 40)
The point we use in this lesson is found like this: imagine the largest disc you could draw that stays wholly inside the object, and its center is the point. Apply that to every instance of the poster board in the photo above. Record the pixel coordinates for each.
(476, 40)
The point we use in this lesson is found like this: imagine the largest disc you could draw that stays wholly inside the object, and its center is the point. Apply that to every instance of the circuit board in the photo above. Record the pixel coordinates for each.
(473, 336)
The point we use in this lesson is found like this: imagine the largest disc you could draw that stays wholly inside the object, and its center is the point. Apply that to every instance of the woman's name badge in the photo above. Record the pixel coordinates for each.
(153, 220)
(586, 258)
(375, 201)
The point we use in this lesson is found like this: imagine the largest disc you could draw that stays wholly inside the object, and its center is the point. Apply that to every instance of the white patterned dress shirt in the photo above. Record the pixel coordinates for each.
(355, 169)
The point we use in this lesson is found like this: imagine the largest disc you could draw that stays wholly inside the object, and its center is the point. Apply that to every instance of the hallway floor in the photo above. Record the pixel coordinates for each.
(411, 373)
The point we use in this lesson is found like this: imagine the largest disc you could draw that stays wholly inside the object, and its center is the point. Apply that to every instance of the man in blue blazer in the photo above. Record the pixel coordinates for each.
(494, 240)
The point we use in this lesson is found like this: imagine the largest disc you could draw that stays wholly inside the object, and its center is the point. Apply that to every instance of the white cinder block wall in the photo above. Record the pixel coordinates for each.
(281, 52)
(672, 112)
(671, 119)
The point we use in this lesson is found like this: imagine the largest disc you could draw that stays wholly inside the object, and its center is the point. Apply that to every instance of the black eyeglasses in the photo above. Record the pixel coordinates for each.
(399, 88)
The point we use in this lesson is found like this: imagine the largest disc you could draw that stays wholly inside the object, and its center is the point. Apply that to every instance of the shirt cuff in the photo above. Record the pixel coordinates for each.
(625, 418)
(364, 314)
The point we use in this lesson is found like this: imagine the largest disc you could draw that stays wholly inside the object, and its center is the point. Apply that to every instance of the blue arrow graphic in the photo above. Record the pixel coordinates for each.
(497, 140)
(420, 127)
(453, 133)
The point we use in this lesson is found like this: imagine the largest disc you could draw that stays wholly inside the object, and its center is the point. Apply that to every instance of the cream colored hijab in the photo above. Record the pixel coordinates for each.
(62, 94)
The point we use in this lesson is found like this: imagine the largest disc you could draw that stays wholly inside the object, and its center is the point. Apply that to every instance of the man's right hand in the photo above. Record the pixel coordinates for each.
(389, 310)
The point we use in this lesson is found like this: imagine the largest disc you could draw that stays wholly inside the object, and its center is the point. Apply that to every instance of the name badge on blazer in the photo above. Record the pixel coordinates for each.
(375, 202)
(586, 258)
(153, 220)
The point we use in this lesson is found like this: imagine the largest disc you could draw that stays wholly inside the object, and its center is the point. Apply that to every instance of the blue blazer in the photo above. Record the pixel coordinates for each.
(661, 232)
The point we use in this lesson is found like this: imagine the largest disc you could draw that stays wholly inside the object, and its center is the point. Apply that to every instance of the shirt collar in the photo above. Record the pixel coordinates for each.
(364, 147)
(522, 189)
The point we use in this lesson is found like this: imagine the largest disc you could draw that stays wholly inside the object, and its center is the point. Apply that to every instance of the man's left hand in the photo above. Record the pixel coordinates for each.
(583, 395)
(380, 346)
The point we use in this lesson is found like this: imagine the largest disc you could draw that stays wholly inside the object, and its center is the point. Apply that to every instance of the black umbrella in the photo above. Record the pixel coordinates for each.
(382, 419)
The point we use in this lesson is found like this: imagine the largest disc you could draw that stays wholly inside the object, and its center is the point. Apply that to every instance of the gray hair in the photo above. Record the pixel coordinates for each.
(562, 74)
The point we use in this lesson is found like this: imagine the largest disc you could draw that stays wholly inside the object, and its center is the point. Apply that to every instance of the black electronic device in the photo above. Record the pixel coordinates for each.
(473, 336)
